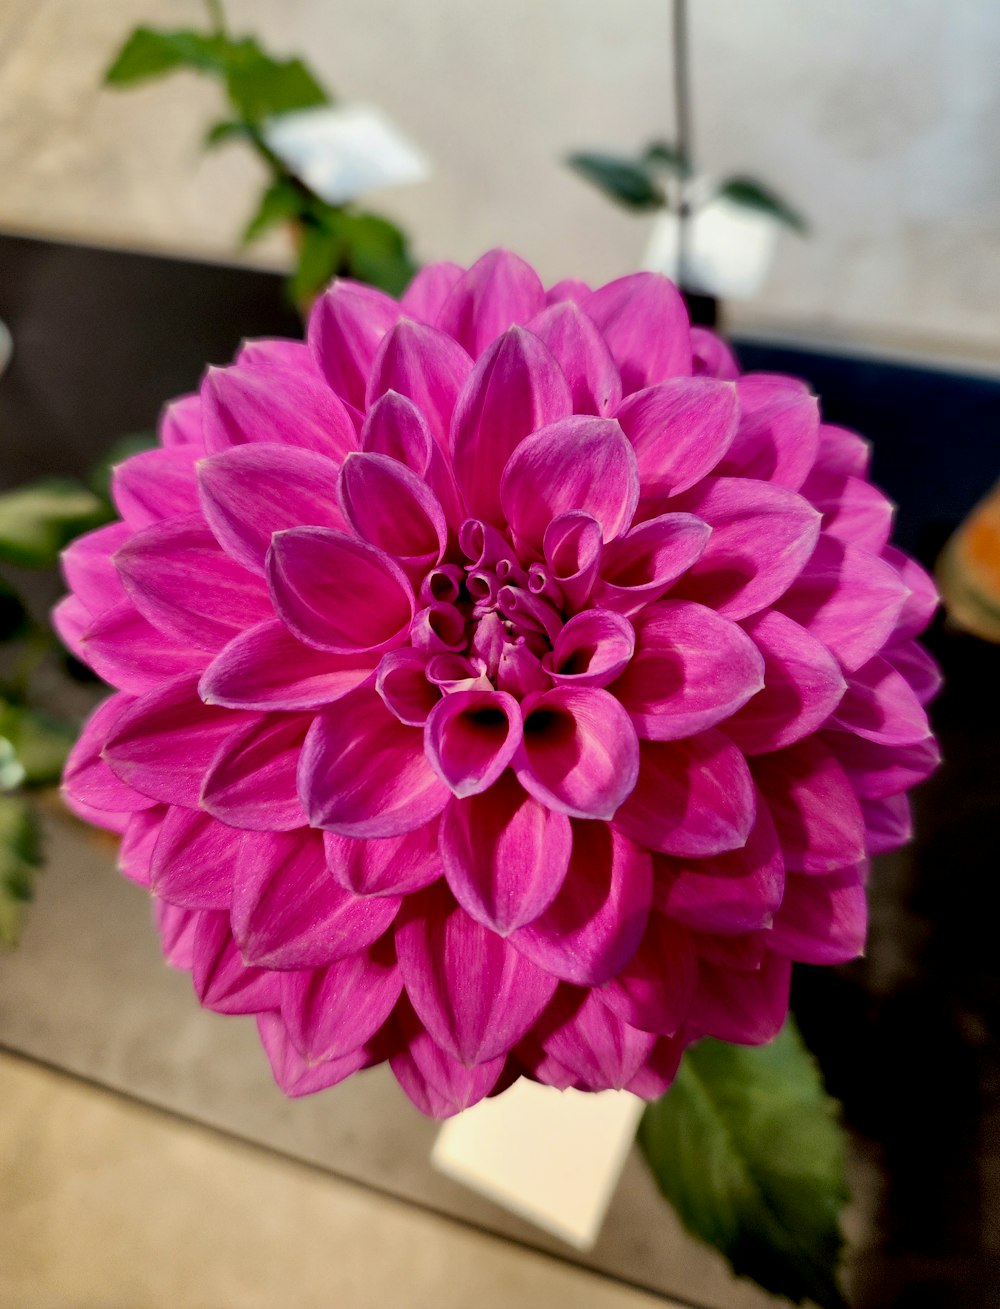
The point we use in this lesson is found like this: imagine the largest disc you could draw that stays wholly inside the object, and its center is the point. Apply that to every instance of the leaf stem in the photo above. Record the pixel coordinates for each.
(683, 136)
(216, 16)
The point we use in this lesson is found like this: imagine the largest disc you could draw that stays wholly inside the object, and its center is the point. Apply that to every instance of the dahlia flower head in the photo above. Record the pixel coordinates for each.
(504, 686)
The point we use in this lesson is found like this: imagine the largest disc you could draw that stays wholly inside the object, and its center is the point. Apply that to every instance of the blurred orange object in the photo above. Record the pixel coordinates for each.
(968, 570)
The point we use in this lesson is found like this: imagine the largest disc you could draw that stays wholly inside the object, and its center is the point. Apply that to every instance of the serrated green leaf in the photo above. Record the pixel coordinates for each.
(40, 742)
(747, 1148)
(20, 858)
(260, 87)
(36, 521)
(627, 182)
(375, 252)
(150, 52)
(134, 443)
(751, 194)
(663, 155)
(282, 201)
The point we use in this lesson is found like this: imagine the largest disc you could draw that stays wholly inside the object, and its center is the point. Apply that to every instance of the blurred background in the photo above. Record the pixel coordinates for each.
(881, 122)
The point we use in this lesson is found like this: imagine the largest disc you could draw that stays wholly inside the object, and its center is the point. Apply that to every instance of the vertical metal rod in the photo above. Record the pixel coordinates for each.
(682, 135)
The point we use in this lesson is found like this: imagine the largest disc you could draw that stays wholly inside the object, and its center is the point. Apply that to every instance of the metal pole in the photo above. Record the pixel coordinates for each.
(682, 137)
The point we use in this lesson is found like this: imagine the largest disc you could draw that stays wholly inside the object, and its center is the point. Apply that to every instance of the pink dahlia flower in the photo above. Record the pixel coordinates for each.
(505, 686)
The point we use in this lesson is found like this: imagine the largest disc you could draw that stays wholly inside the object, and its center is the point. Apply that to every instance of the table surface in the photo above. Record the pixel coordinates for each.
(908, 1037)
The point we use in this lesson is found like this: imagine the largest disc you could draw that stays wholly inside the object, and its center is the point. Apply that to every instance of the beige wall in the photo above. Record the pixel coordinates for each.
(880, 120)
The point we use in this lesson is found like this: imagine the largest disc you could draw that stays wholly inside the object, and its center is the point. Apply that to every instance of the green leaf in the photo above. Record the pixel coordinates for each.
(20, 857)
(36, 521)
(227, 130)
(320, 250)
(754, 195)
(151, 52)
(662, 154)
(625, 181)
(375, 252)
(261, 87)
(40, 742)
(282, 200)
(747, 1148)
(99, 479)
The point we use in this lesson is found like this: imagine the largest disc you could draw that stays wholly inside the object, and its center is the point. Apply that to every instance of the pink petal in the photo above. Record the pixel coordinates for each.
(338, 593)
(505, 855)
(592, 649)
(392, 508)
(164, 742)
(288, 912)
(394, 865)
(293, 1074)
(154, 485)
(331, 1011)
(693, 798)
(657, 1074)
(888, 824)
(762, 538)
(803, 685)
(578, 463)
(919, 606)
(515, 388)
(251, 782)
(222, 981)
(877, 771)
(595, 924)
(583, 356)
(437, 1084)
(276, 352)
(426, 366)
(182, 582)
(177, 928)
(847, 598)
(128, 652)
(853, 510)
(475, 994)
(88, 782)
(711, 357)
(180, 423)
(745, 952)
(654, 990)
(395, 426)
(644, 563)
(880, 705)
(87, 564)
(195, 860)
(692, 669)
(71, 620)
(471, 737)
(604, 1052)
(346, 327)
(138, 842)
(748, 1008)
(570, 288)
(579, 754)
(291, 408)
(680, 430)
(403, 684)
(778, 435)
(430, 288)
(842, 451)
(252, 491)
(498, 290)
(644, 320)
(917, 666)
(814, 807)
(725, 894)
(267, 668)
(363, 773)
(822, 920)
(572, 548)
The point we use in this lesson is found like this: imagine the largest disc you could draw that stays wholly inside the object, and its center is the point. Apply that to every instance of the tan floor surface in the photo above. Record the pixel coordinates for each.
(105, 1204)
